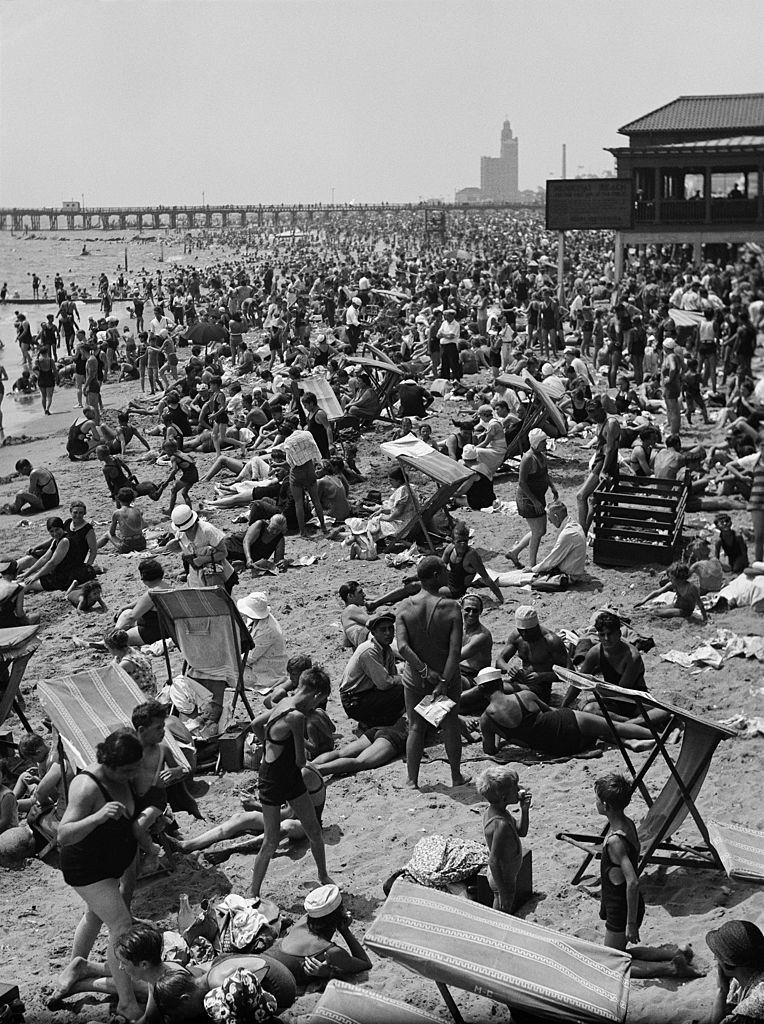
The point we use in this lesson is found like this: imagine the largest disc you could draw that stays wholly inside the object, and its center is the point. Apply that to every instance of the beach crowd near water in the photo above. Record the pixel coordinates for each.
(224, 416)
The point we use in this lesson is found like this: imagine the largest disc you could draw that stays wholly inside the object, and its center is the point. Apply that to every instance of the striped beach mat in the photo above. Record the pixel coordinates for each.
(740, 849)
(453, 941)
(87, 706)
(350, 1004)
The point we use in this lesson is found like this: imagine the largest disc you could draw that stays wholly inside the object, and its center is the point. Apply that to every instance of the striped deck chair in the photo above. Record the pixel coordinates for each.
(209, 632)
(87, 706)
(533, 970)
(687, 773)
(741, 850)
(17, 645)
(350, 1004)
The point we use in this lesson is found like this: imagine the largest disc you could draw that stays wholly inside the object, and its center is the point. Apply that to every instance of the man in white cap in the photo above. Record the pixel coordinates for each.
(267, 662)
(204, 550)
(448, 335)
(671, 377)
(538, 649)
(371, 690)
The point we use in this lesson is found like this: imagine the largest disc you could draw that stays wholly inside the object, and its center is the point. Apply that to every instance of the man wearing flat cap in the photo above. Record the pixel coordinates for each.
(371, 691)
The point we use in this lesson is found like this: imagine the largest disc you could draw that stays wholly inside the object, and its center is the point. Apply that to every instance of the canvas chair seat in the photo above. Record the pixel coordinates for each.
(530, 969)
(17, 645)
(206, 627)
(350, 1004)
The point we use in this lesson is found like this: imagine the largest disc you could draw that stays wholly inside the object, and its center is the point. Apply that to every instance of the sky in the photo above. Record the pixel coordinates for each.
(263, 101)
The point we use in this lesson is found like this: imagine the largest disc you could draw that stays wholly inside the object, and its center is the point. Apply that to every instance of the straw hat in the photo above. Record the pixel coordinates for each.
(254, 605)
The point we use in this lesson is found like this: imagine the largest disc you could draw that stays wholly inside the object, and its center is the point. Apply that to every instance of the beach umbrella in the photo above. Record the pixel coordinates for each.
(205, 333)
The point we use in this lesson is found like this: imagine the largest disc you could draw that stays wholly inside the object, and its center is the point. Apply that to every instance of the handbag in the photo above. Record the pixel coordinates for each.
(213, 576)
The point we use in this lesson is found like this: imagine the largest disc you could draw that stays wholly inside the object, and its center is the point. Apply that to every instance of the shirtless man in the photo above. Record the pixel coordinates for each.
(538, 649)
(605, 463)
(354, 615)
(429, 635)
(617, 662)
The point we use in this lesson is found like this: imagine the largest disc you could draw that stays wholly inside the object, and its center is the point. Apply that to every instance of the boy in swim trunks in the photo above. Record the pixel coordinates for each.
(622, 907)
(158, 770)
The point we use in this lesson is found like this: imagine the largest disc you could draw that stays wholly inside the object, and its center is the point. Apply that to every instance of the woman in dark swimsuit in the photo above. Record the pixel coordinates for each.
(282, 732)
(47, 378)
(98, 848)
(142, 620)
(82, 536)
(308, 951)
(60, 565)
(520, 717)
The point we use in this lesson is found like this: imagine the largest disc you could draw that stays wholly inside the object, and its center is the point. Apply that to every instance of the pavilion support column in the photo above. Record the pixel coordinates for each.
(760, 194)
(657, 203)
(707, 193)
(618, 257)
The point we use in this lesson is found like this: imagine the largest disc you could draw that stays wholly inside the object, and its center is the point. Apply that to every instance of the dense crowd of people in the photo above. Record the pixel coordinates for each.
(279, 361)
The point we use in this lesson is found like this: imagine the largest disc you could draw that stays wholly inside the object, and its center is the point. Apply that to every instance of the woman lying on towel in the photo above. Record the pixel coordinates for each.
(520, 717)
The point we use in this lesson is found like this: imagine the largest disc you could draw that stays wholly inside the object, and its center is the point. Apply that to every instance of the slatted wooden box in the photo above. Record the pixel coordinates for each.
(638, 521)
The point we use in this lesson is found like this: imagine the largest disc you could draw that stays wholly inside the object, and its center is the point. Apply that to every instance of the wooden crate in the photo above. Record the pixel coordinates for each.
(638, 521)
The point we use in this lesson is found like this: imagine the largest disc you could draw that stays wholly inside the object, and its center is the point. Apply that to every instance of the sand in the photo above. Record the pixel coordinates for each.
(372, 822)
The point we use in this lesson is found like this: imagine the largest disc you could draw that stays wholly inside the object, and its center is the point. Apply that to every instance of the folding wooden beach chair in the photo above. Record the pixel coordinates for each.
(206, 627)
(532, 970)
(540, 411)
(687, 773)
(16, 648)
(84, 708)
(350, 1004)
(325, 396)
(385, 377)
(450, 478)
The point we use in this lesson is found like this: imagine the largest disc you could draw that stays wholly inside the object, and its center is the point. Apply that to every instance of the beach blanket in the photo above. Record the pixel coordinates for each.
(89, 705)
(439, 860)
(453, 941)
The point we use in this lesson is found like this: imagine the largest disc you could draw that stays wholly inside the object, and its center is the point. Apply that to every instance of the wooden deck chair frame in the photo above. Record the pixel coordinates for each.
(538, 973)
(385, 377)
(20, 638)
(167, 626)
(78, 750)
(678, 796)
(424, 513)
(539, 410)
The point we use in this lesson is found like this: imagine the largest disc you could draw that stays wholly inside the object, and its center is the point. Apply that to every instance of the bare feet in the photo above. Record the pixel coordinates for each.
(515, 560)
(411, 784)
(217, 856)
(460, 780)
(77, 970)
(326, 879)
(683, 969)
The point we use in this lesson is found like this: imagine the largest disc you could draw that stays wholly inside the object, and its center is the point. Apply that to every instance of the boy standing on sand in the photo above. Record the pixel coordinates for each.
(622, 906)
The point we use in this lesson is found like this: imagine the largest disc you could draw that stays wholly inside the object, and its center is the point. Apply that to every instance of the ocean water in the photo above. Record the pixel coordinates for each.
(49, 253)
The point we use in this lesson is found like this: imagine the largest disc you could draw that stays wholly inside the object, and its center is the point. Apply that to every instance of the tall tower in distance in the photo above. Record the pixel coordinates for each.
(499, 175)
(499, 179)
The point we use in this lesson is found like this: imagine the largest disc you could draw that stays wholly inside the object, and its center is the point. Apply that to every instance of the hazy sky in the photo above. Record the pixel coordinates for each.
(130, 101)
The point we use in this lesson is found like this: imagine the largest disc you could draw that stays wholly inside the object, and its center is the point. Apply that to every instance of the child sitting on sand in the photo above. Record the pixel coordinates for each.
(131, 660)
(499, 785)
(622, 907)
(86, 597)
(126, 530)
(687, 595)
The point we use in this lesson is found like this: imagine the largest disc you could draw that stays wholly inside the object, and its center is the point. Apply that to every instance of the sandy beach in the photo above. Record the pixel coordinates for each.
(372, 822)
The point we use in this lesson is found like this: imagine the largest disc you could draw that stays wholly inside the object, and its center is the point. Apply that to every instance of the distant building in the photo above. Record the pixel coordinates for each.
(498, 174)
